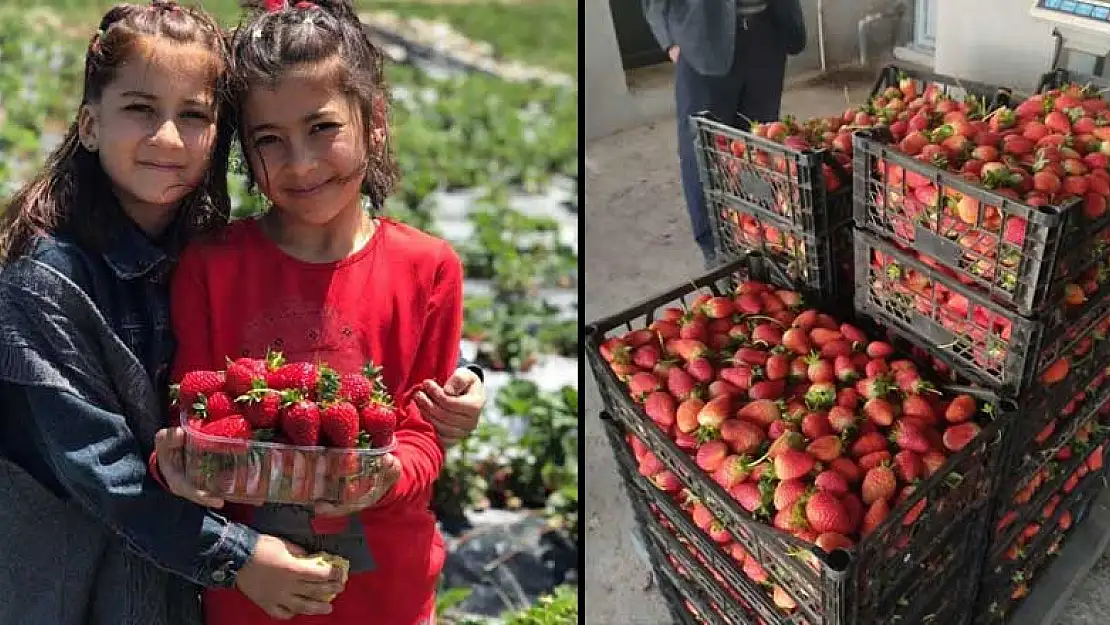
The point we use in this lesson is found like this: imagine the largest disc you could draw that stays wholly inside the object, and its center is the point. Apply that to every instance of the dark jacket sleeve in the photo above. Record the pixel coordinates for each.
(655, 11)
(96, 459)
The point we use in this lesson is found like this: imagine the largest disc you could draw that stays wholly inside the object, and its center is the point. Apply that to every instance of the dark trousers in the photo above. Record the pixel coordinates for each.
(750, 91)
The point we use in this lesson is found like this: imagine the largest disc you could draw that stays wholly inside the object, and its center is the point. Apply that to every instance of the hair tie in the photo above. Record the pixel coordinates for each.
(273, 6)
(304, 4)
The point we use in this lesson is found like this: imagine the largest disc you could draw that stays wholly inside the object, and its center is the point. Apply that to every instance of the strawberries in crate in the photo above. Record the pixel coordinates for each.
(803, 420)
(1014, 196)
(298, 432)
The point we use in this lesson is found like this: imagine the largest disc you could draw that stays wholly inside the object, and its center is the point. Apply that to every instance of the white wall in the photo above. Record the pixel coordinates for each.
(607, 98)
(992, 41)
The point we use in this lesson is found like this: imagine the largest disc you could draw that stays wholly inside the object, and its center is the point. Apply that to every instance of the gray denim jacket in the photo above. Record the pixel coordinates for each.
(89, 537)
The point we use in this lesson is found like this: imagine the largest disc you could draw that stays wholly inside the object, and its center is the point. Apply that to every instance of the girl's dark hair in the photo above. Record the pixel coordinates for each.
(73, 193)
(328, 35)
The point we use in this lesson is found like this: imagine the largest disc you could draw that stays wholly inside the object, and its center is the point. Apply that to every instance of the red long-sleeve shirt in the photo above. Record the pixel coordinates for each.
(398, 302)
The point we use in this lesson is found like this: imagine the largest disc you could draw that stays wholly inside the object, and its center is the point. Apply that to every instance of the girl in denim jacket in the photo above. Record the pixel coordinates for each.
(87, 248)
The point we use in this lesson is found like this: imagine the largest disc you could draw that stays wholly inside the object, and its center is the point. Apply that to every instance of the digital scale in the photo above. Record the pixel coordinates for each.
(1082, 31)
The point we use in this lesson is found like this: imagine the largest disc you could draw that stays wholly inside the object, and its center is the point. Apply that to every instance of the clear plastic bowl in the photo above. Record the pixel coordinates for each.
(264, 472)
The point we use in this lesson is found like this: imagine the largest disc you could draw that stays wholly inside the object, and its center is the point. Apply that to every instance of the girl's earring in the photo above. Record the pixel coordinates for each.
(89, 145)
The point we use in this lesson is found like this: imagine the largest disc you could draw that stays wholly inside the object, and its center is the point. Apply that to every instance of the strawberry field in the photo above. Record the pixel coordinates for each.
(891, 406)
(491, 165)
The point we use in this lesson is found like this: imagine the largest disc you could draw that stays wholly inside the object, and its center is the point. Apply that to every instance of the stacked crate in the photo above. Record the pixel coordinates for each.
(790, 202)
(726, 566)
(1012, 296)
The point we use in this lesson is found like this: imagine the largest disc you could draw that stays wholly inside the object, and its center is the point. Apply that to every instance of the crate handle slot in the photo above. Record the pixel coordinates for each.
(940, 248)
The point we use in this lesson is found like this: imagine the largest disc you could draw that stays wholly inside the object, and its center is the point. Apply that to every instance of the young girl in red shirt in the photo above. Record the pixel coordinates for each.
(321, 278)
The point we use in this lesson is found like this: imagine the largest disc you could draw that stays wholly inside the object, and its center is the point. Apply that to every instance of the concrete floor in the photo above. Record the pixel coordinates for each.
(638, 244)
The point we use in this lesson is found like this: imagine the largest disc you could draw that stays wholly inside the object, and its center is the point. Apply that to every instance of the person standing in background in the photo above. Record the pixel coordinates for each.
(730, 61)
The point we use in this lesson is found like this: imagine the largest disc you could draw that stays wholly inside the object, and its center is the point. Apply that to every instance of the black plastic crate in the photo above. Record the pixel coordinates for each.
(1009, 577)
(841, 588)
(1013, 510)
(985, 341)
(652, 507)
(989, 96)
(940, 586)
(822, 263)
(1059, 78)
(1020, 256)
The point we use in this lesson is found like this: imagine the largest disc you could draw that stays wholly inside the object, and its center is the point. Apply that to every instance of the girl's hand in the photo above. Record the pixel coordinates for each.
(383, 482)
(169, 443)
(455, 408)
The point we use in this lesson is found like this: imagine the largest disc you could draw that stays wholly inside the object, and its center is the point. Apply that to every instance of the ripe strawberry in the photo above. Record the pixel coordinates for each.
(339, 423)
(879, 483)
(214, 406)
(680, 384)
(649, 465)
(787, 493)
(831, 482)
(782, 599)
(830, 542)
(796, 340)
(908, 466)
(710, 455)
(748, 496)
(686, 417)
(876, 514)
(819, 370)
(1056, 372)
(777, 367)
(826, 448)
(743, 437)
(766, 335)
(879, 349)
(956, 437)
(918, 407)
(378, 420)
(701, 370)
(686, 349)
(355, 388)
(819, 336)
(232, 426)
(910, 437)
(300, 421)
(660, 406)
(825, 513)
(792, 464)
(855, 509)
(847, 398)
(712, 414)
(787, 441)
(845, 370)
(841, 419)
(961, 409)
(872, 387)
(301, 376)
(879, 411)
(640, 385)
(244, 374)
(196, 383)
(874, 459)
(869, 443)
(767, 389)
(732, 471)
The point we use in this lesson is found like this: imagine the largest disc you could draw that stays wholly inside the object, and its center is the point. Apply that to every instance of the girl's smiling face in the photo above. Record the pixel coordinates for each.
(305, 143)
(154, 127)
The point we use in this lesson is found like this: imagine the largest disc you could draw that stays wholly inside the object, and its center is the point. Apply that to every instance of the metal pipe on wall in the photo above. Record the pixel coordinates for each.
(861, 28)
(821, 33)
